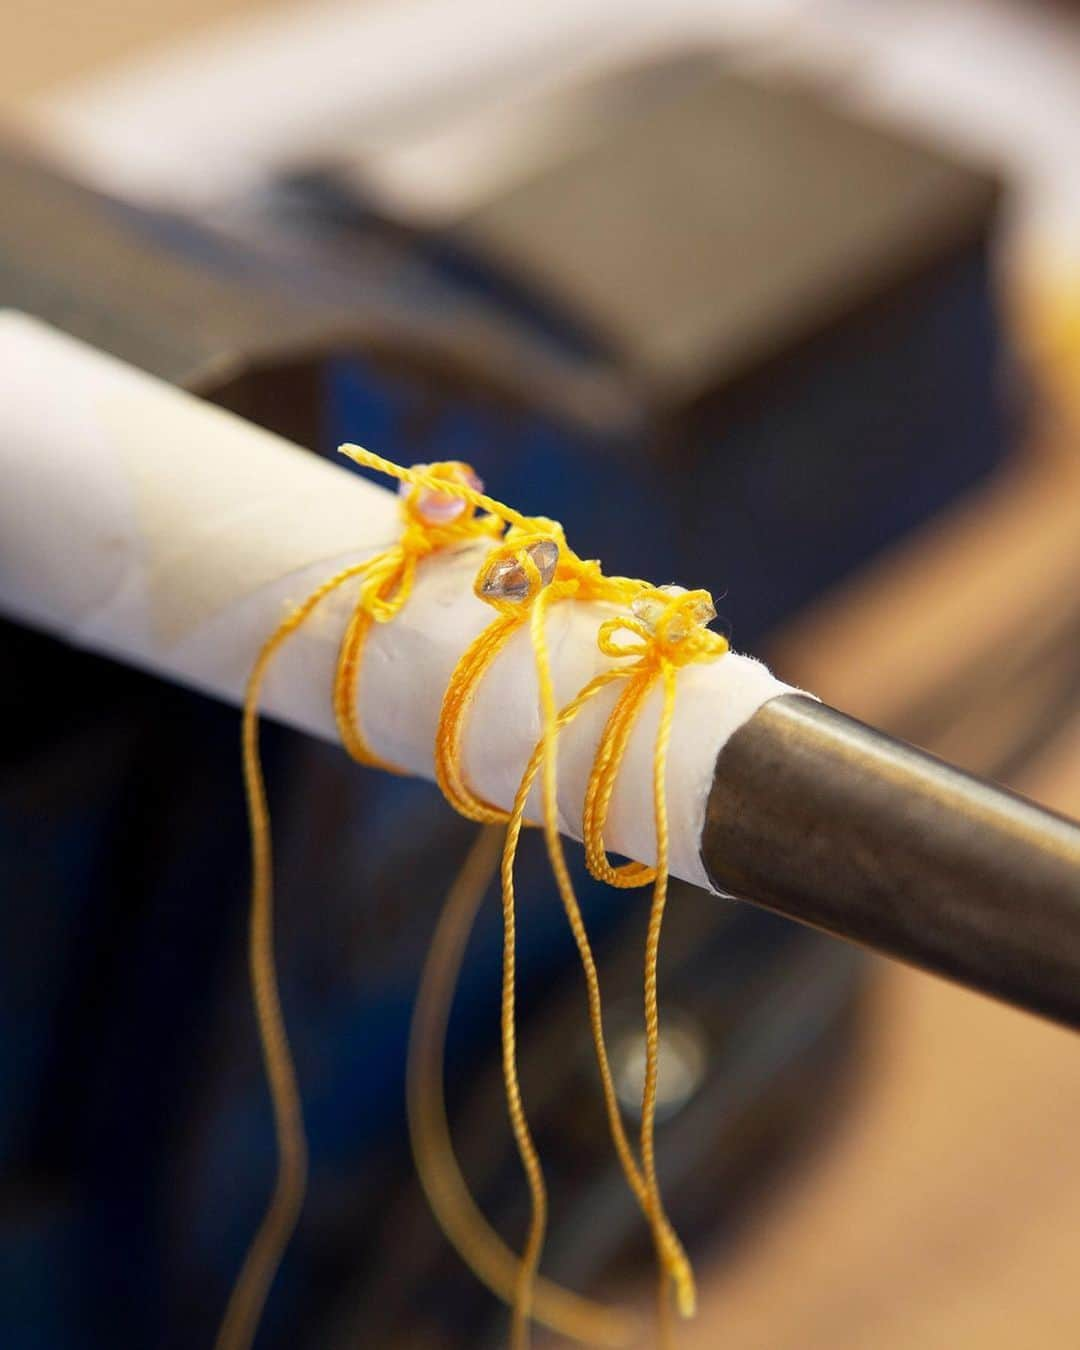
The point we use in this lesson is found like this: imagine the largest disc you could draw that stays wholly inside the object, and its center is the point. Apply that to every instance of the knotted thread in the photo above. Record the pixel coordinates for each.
(671, 633)
(523, 600)
(510, 580)
(531, 568)
(677, 637)
(514, 582)
(430, 524)
(387, 582)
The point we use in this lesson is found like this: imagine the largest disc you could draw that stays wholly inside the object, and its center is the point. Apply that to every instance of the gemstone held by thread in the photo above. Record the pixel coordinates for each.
(442, 508)
(507, 579)
(650, 608)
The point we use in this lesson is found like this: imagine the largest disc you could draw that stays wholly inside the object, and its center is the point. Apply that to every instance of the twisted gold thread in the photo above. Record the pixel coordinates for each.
(264, 1255)
(659, 655)
(676, 640)
(387, 582)
(671, 1255)
(483, 1251)
(659, 651)
(575, 579)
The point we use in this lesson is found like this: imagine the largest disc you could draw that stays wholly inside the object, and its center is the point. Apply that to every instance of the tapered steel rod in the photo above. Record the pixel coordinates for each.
(825, 820)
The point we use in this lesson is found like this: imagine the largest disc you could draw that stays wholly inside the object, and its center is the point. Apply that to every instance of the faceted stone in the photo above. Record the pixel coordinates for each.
(545, 555)
(650, 608)
(442, 508)
(507, 579)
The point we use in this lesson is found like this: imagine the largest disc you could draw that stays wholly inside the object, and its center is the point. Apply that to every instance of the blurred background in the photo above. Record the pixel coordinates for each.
(806, 273)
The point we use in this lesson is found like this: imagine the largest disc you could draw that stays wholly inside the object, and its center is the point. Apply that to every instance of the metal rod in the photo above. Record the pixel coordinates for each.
(823, 819)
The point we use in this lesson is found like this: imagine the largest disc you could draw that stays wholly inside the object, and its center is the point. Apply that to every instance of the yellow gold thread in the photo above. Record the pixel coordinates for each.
(494, 1264)
(470, 669)
(661, 651)
(677, 639)
(387, 582)
(572, 577)
(652, 664)
(682, 1275)
(670, 1252)
(256, 1275)
(425, 477)
(529, 602)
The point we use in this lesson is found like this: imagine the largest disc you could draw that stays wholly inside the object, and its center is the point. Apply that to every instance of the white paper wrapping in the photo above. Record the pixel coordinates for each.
(140, 521)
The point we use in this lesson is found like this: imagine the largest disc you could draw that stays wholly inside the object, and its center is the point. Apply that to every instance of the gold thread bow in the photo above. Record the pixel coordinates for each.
(431, 524)
(387, 580)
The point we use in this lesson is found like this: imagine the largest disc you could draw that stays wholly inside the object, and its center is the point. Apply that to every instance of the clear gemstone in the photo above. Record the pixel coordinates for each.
(442, 508)
(649, 607)
(545, 554)
(704, 612)
(507, 579)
